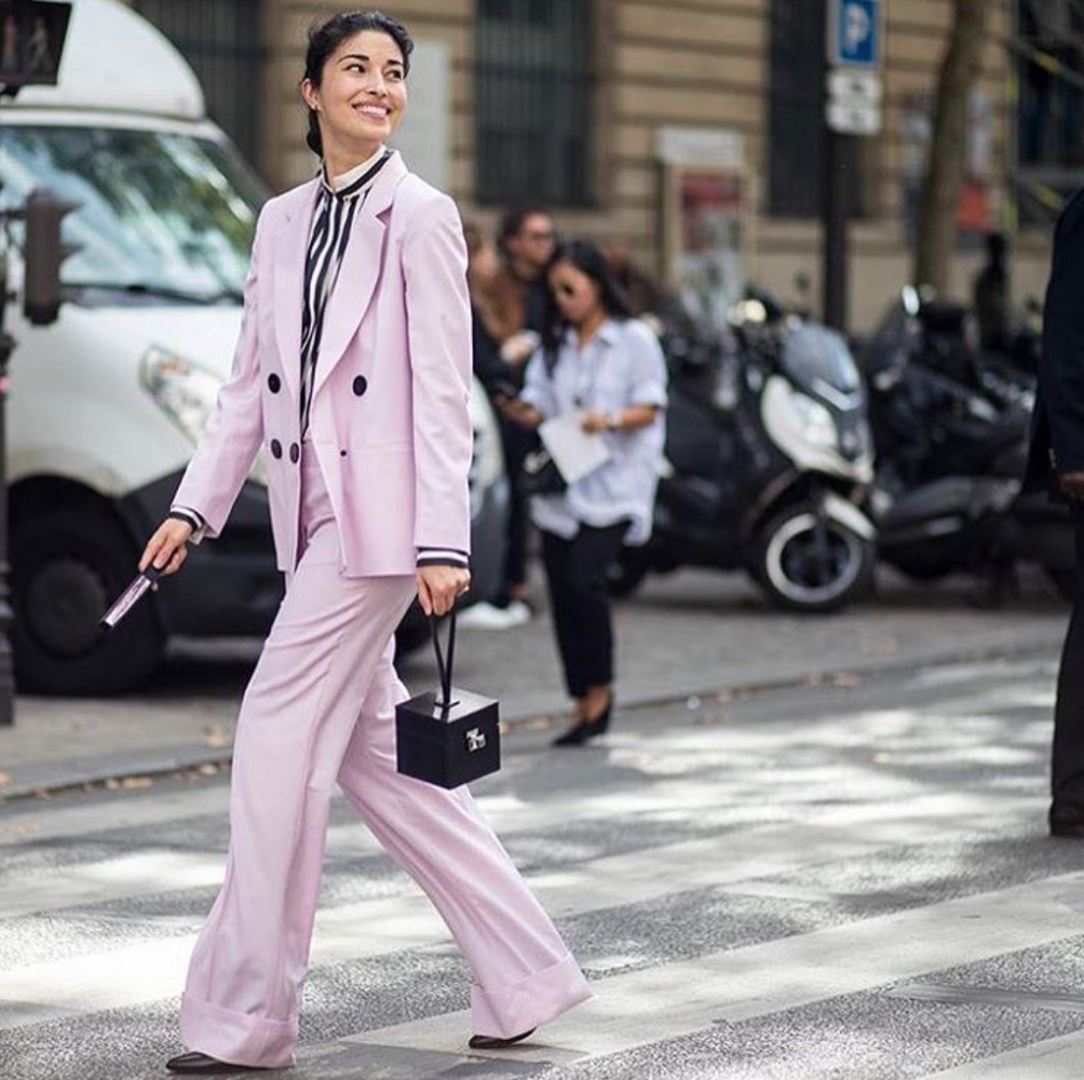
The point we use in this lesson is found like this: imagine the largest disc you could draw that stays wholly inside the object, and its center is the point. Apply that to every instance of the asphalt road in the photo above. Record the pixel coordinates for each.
(847, 881)
(693, 633)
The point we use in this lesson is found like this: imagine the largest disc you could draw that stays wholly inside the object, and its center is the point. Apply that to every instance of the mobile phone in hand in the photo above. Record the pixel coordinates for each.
(140, 585)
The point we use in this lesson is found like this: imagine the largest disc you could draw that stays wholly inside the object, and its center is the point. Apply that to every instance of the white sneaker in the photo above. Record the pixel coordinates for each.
(486, 616)
(518, 613)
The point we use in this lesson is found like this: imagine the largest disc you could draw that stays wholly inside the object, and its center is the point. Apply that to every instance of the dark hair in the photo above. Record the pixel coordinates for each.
(589, 260)
(512, 223)
(326, 37)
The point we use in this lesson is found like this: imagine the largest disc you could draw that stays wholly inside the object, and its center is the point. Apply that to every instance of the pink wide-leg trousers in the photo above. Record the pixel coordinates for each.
(320, 709)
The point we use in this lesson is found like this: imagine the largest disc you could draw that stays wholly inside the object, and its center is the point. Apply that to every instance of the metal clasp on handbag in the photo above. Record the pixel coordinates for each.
(475, 740)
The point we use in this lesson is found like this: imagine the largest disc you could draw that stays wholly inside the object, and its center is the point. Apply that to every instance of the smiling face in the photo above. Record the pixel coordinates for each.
(578, 295)
(361, 97)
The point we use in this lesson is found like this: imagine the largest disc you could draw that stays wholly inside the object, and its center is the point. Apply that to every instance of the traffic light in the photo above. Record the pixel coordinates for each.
(44, 254)
(32, 36)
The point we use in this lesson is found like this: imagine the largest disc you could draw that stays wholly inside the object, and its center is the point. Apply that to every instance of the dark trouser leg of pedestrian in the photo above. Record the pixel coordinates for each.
(557, 559)
(577, 571)
(1067, 773)
(517, 445)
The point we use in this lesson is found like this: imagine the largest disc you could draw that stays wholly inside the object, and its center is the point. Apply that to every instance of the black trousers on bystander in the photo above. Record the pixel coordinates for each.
(580, 601)
(1067, 773)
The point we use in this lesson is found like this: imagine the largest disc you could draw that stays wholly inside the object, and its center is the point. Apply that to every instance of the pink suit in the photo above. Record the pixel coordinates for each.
(384, 474)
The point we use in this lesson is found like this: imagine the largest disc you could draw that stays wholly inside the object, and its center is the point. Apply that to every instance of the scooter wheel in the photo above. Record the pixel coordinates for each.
(808, 562)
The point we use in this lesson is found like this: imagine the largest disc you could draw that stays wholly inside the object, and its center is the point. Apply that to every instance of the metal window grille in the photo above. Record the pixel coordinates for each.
(1048, 47)
(797, 49)
(534, 101)
(222, 42)
(797, 56)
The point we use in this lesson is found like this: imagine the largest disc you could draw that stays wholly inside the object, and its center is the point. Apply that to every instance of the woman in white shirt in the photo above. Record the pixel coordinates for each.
(608, 368)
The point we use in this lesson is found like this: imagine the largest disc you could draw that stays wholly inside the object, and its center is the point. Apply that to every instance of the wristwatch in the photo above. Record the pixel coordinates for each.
(613, 422)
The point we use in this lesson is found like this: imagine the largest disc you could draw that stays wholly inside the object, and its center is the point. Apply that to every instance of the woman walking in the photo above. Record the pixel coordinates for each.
(353, 371)
(598, 363)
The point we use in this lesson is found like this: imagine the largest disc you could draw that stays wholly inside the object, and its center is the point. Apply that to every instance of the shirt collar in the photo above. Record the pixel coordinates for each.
(346, 185)
(606, 334)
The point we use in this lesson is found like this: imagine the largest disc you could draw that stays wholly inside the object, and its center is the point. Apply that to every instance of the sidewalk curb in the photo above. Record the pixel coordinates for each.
(113, 772)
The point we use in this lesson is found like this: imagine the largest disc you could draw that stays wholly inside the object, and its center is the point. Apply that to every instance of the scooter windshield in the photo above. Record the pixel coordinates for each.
(818, 360)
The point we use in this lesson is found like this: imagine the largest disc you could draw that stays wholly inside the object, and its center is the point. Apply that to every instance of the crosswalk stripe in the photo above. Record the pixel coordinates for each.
(23, 822)
(147, 972)
(786, 973)
(1050, 1059)
(127, 876)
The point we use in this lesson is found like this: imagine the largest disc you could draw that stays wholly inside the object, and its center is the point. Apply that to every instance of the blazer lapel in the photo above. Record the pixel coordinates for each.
(290, 247)
(360, 270)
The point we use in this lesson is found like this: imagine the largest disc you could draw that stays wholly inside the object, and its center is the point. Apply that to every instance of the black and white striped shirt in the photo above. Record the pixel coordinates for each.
(341, 198)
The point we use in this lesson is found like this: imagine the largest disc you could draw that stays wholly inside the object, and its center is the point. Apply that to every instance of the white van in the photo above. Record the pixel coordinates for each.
(107, 403)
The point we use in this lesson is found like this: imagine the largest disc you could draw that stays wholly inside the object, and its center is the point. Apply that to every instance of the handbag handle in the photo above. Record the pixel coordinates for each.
(444, 669)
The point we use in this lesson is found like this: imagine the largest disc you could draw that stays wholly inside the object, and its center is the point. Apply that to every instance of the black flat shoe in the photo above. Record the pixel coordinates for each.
(197, 1064)
(601, 723)
(576, 736)
(1067, 820)
(587, 729)
(489, 1042)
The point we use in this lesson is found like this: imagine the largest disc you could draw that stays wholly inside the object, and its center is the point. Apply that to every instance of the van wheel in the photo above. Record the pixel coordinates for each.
(808, 562)
(68, 566)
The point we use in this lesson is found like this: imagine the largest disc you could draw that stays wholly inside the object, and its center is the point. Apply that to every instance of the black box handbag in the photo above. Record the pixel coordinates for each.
(447, 736)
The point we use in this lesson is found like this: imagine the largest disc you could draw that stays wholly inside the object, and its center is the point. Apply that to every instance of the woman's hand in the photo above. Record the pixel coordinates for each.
(518, 411)
(167, 549)
(1072, 484)
(594, 420)
(438, 587)
(518, 349)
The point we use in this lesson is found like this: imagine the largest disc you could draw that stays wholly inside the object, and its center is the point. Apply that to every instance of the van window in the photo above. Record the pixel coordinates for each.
(160, 214)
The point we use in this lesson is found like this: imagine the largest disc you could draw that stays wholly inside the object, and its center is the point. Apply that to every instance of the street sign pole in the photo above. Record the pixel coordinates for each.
(836, 215)
(32, 35)
(852, 108)
(7, 668)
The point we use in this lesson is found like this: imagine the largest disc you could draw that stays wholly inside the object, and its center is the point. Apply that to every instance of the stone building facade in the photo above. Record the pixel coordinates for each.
(580, 98)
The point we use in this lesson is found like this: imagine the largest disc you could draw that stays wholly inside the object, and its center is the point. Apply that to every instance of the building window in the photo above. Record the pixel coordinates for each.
(534, 101)
(1049, 47)
(796, 45)
(797, 60)
(222, 43)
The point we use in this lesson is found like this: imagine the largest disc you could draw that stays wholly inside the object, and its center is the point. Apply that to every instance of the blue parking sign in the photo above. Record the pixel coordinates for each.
(855, 38)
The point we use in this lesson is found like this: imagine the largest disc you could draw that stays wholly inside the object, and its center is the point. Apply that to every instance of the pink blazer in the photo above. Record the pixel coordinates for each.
(389, 417)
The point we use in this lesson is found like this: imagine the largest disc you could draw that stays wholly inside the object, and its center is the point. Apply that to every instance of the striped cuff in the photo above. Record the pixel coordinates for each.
(432, 556)
(191, 517)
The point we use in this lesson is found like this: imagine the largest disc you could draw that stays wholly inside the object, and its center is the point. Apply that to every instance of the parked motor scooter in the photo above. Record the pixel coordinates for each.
(950, 457)
(768, 460)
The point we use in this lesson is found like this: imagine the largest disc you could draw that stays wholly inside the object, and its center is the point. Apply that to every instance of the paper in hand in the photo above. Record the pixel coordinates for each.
(575, 452)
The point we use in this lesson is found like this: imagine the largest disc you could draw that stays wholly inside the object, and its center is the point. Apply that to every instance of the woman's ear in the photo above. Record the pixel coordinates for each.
(310, 95)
